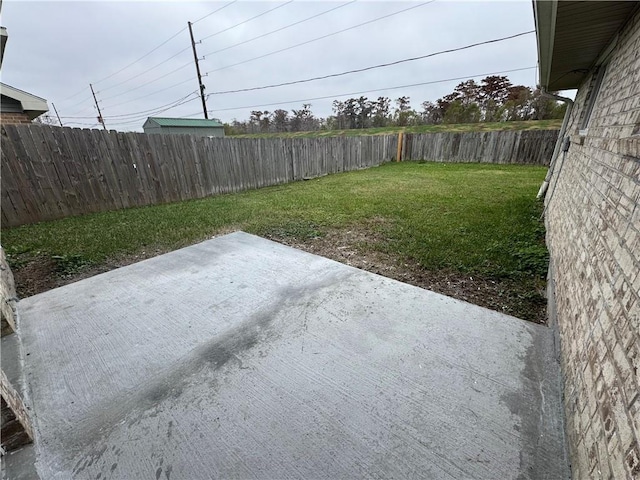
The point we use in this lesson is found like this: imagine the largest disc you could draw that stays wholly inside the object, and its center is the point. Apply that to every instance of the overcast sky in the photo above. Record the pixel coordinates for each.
(55, 49)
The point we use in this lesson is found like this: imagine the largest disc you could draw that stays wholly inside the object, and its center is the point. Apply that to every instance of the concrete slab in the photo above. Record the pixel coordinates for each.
(242, 358)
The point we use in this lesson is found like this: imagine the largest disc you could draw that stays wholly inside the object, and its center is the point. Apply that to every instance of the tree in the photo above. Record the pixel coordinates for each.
(518, 104)
(403, 115)
(458, 112)
(350, 113)
(255, 120)
(545, 108)
(338, 110)
(494, 92)
(494, 98)
(431, 113)
(303, 119)
(237, 127)
(364, 109)
(380, 112)
(445, 102)
(467, 92)
(280, 120)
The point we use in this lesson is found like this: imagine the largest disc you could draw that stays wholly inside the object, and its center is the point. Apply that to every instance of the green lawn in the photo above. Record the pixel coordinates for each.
(473, 219)
(459, 127)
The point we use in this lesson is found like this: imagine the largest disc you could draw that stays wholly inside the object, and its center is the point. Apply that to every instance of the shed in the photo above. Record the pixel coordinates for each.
(184, 126)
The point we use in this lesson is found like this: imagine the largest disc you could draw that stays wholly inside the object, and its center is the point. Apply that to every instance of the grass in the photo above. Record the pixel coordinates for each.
(460, 127)
(470, 219)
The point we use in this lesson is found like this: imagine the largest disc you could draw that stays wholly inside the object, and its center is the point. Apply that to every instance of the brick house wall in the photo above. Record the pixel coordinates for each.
(593, 234)
(11, 118)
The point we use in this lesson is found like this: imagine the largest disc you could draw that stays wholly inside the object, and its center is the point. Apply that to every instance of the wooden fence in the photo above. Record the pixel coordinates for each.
(54, 172)
(506, 146)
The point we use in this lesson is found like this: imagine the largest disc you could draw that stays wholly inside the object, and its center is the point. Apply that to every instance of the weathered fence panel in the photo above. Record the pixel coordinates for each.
(506, 146)
(53, 172)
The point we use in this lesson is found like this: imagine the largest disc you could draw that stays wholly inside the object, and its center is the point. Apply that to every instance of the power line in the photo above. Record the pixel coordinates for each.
(185, 49)
(167, 59)
(146, 71)
(84, 100)
(281, 28)
(162, 62)
(381, 65)
(137, 121)
(151, 94)
(247, 20)
(90, 125)
(109, 117)
(215, 11)
(144, 56)
(322, 37)
(192, 114)
(127, 121)
(161, 108)
(74, 95)
(374, 90)
(149, 82)
(129, 65)
(82, 110)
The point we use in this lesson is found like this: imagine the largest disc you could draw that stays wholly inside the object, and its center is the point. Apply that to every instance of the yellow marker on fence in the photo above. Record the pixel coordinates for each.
(399, 155)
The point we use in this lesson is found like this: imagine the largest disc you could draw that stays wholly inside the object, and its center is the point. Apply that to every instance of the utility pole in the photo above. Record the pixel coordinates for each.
(56, 110)
(195, 58)
(100, 119)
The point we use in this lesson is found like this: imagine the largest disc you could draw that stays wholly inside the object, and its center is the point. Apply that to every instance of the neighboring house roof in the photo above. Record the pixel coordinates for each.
(3, 42)
(183, 122)
(573, 36)
(32, 105)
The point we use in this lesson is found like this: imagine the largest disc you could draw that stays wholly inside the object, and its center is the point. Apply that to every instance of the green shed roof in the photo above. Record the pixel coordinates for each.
(184, 122)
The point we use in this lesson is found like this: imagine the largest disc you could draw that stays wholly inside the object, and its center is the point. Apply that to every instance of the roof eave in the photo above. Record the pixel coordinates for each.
(33, 114)
(545, 22)
(32, 105)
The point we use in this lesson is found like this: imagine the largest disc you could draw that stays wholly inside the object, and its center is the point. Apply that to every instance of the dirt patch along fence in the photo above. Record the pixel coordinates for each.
(532, 147)
(50, 173)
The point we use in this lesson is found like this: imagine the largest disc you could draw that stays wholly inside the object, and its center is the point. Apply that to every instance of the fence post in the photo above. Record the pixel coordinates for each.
(399, 155)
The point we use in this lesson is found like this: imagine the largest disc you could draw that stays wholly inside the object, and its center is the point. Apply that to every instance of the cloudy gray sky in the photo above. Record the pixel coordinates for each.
(55, 49)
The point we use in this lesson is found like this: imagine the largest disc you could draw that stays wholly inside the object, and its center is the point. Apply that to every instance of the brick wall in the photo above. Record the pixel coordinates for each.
(10, 118)
(593, 233)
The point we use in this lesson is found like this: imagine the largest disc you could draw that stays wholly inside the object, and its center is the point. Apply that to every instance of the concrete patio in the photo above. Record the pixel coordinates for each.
(243, 358)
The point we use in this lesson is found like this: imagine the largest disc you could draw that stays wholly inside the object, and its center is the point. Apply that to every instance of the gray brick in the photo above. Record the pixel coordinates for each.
(593, 233)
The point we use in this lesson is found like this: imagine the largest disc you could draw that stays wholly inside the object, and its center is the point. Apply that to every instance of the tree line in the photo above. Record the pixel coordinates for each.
(494, 99)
